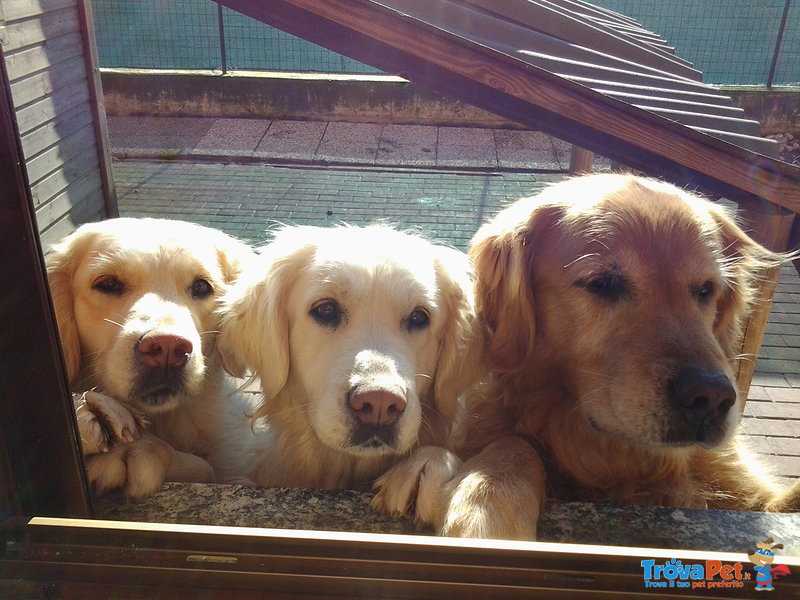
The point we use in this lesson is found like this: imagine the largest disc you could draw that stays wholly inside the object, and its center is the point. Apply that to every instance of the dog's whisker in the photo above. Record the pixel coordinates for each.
(120, 325)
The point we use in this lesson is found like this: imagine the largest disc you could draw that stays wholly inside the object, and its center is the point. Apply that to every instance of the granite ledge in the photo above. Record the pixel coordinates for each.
(346, 510)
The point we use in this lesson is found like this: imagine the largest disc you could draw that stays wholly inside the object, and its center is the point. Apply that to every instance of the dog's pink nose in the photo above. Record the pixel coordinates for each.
(164, 350)
(377, 407)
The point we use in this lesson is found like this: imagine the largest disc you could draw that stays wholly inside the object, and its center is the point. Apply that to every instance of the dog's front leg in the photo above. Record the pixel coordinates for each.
(499, 493)
(413, 488)
(786, 501)
(104, 422)
(142, 466)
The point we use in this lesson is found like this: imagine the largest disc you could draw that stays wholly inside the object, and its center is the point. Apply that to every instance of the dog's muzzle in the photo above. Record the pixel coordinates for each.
(161, 373)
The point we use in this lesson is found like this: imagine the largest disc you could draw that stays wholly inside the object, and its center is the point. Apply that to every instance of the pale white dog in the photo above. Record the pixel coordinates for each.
(136, 302)
(363, 340)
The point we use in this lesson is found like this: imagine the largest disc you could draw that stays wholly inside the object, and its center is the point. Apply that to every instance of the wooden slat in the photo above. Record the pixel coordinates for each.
(65, 123)
(59, 155)
(41, 112)
(571, 27)
(530, 95)
(24, 62)
(35, 31)
(42, 84)
(86, 211)
(81, 166)
(516, 39)
(599, 12)
(15, 10)
(658, 89)
(86, 189)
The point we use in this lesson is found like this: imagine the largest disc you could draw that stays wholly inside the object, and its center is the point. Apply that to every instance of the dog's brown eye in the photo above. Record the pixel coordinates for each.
(418, 319)
(108, 284)
(705, 291)
(327, 313)
(610, 286)
(200, 289)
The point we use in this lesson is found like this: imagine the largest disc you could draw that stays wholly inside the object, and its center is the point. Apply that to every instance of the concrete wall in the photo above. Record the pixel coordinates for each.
(350, 98)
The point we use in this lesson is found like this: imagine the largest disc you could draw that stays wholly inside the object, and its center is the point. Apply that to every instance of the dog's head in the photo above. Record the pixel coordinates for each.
(363, 334)
(135, 302)
(626, 297)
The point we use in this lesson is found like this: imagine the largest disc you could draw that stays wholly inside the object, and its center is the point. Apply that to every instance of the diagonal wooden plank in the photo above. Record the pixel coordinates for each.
(377, 34)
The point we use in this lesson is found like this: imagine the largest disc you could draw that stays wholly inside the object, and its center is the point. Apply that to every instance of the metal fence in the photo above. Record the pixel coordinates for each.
(744, 42)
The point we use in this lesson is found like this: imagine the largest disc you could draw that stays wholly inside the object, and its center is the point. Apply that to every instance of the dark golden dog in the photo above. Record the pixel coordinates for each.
(614, 307)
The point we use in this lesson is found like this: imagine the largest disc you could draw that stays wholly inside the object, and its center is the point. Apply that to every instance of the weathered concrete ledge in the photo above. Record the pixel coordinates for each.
(355, 98)
(302, 96)
(577, 522)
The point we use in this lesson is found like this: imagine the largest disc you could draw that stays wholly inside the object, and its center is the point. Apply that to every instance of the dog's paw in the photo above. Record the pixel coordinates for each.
(786, 501)
(413, 487)
(141, 467)
(104, 422)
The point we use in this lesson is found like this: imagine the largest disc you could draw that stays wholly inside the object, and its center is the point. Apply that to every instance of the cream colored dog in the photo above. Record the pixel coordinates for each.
(363, 339)
(614, 307)
(136, 302)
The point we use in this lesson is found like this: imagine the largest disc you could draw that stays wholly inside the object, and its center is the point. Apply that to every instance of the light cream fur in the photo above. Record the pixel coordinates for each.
(595, 295)
(377, 277)
(155, 263)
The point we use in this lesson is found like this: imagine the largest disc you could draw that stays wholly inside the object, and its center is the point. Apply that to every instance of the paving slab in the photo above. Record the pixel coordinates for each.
(466, 147)
(291, 140)
(163, 136)
(407, 145)
(520, 149)
(232, 137)
(350, 143)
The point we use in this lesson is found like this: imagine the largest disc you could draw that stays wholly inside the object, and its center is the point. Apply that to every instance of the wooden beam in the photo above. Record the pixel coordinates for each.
(772, 227)
(580, 161)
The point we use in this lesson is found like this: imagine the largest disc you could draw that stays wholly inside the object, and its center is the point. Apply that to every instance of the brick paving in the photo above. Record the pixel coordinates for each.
(409, 175)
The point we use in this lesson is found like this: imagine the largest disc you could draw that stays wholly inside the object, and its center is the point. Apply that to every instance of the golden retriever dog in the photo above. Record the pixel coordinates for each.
(613, 308)
(136, 303)
(363, 339)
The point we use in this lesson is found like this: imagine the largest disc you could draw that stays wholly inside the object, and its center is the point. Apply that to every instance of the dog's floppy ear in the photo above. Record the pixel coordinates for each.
(255, 327)
(61, 263)
(502, 253)
(744, 263)
(460, 350)
(233, 257)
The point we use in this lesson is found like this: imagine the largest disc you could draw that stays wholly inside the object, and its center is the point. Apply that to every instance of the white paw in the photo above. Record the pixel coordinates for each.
(413, 488)
(104, 422)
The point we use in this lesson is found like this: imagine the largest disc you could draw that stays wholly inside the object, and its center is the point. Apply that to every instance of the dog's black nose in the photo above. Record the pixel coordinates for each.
(703, 398)
(698, 391)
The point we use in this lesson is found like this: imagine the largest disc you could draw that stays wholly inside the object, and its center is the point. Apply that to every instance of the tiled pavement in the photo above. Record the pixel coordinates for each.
(245, 175)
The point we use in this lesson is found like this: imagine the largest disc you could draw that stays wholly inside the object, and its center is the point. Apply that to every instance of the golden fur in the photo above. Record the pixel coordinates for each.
(116, 286)
(613, 307)
(335, 314)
